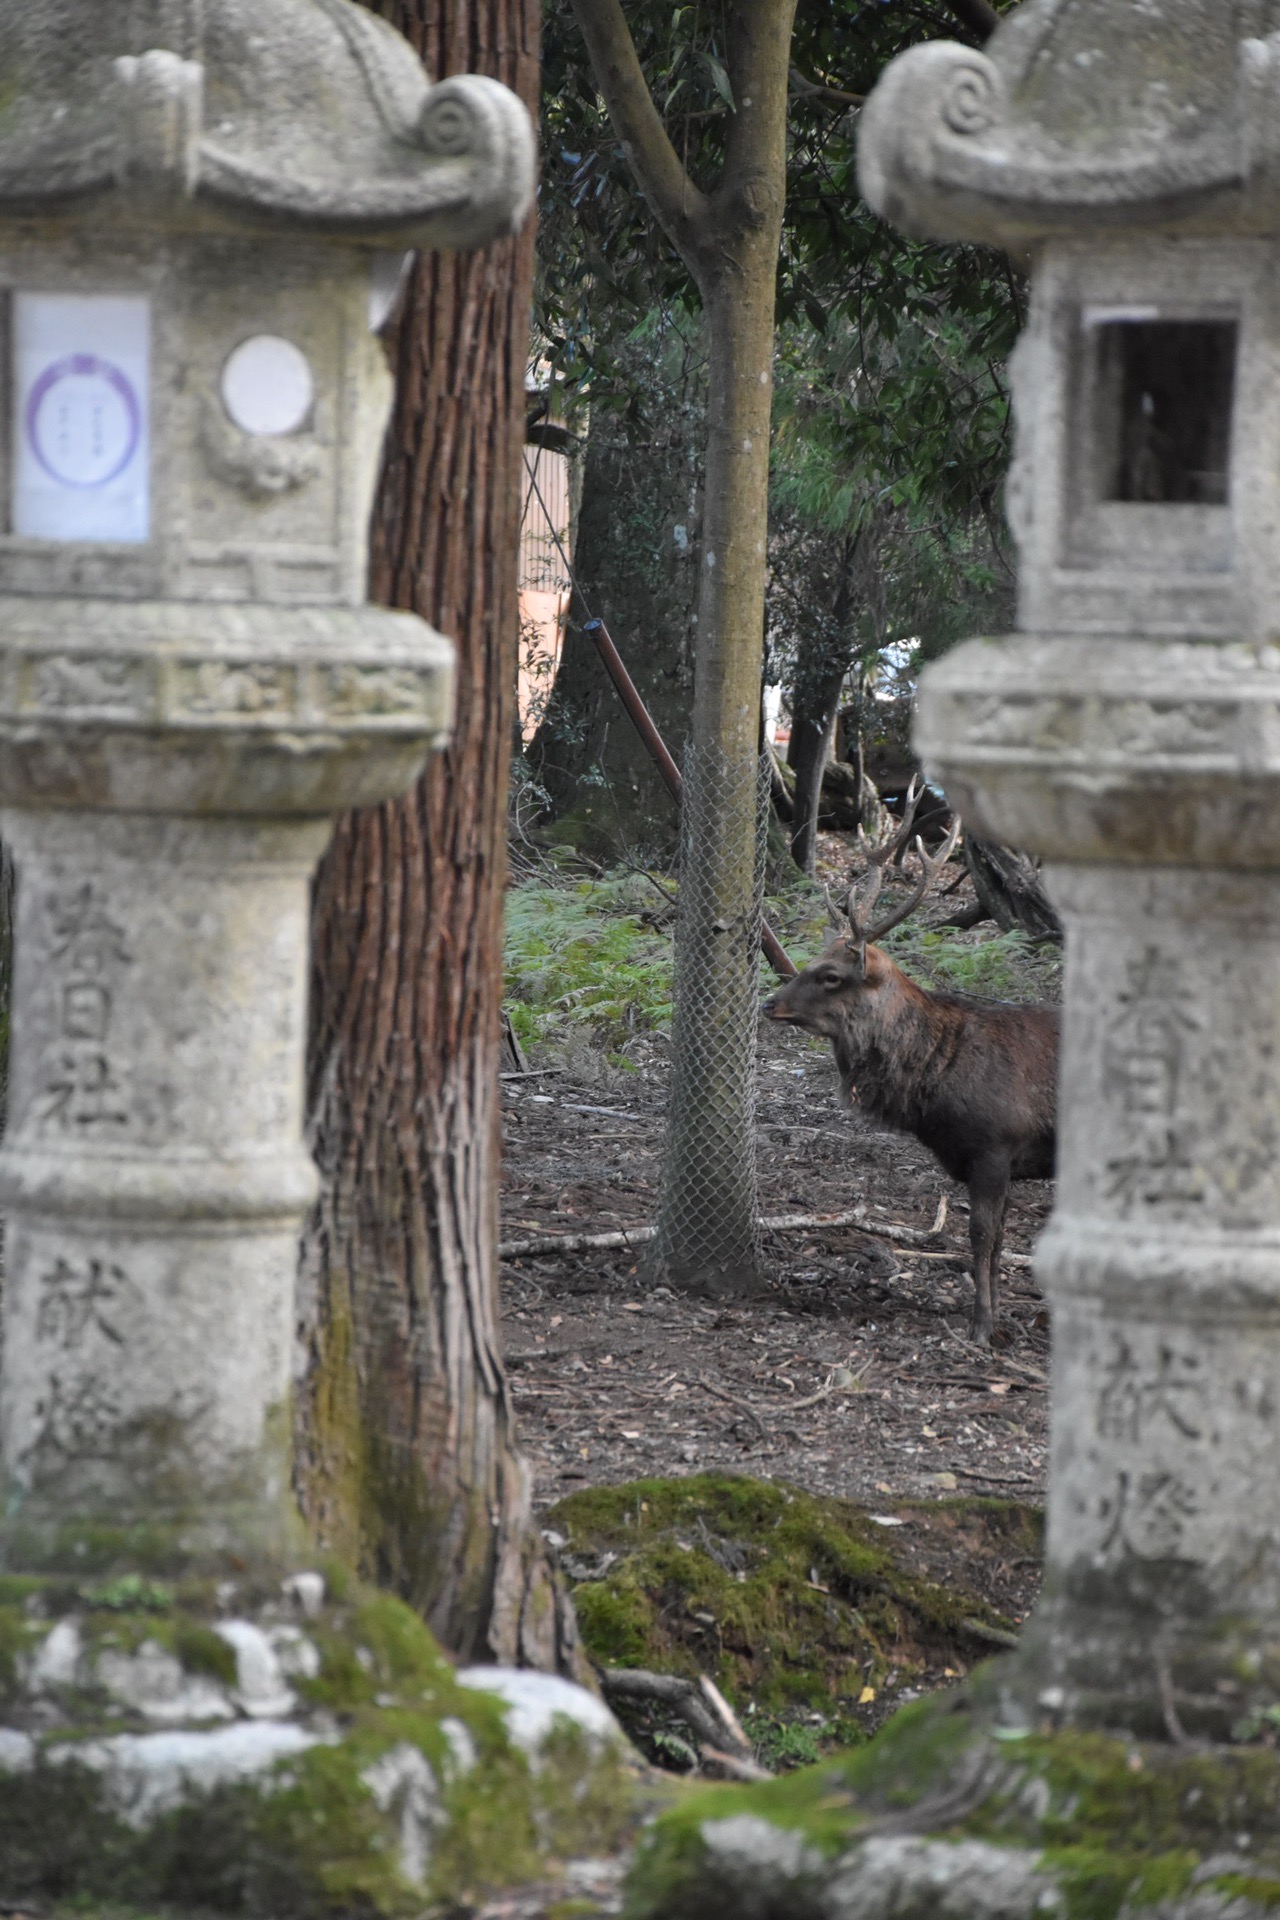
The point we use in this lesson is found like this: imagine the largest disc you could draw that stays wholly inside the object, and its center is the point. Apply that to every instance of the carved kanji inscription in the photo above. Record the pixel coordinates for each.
(1145, 1067)
(79, 1091)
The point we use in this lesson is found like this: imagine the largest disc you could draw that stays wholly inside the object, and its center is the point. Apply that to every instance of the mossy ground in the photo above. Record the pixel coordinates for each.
(796, 1605)
(313, 1841)
(1118, 1824)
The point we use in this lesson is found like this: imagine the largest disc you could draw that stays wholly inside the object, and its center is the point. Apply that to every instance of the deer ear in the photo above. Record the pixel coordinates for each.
(858, 955)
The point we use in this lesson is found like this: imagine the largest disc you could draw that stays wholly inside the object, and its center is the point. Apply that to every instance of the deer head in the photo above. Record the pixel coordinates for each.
(848, 978)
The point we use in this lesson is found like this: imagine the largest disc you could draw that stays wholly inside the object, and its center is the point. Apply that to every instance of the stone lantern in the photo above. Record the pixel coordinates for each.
(204, 209)
(1123, 1759)
(1130, 733)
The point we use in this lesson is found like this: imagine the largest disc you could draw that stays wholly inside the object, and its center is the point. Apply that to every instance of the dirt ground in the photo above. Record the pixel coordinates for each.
(853, 1376)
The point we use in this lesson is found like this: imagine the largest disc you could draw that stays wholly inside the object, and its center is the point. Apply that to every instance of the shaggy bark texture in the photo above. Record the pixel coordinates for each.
(407, 1459)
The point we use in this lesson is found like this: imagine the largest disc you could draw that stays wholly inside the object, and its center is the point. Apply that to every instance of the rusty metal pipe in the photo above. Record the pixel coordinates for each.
(641, 718)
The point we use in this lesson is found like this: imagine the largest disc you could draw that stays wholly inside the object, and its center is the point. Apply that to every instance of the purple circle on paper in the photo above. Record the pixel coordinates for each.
(82, 366)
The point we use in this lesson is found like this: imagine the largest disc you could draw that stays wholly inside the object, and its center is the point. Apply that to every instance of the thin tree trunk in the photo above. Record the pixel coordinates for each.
(707, 1236)
(825, 657)
(407, 1461)
(811, 739)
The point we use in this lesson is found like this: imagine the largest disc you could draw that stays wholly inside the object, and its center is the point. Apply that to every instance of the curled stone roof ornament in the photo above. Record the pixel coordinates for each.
(183, 97)
(1080, 112)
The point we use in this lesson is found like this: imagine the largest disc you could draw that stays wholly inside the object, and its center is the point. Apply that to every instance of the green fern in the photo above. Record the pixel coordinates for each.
(581, 959)
(1005, 966)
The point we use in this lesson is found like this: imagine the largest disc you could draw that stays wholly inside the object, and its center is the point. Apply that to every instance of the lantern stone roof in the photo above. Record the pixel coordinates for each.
(296, 112)
(1081, 113)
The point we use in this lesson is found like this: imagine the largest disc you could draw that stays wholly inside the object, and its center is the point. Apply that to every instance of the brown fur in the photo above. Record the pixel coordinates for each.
(974, 1080)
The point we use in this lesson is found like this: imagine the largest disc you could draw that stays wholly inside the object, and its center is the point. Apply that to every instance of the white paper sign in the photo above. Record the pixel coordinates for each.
(81, 428)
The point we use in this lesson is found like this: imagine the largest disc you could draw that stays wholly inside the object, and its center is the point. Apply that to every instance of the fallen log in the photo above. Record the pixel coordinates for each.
(700, 1705)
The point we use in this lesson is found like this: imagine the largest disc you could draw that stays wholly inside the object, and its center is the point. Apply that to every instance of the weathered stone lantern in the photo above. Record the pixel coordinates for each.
(1130, 732)
(1123, 1760)
(195, 217)
(204, 205)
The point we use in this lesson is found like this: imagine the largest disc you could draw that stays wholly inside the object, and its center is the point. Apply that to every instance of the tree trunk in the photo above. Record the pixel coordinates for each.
(729, 238)
(707, 1233)
(636, 561)
(826, 653)
(1009, 889)
(825, 656)
(407, 1462)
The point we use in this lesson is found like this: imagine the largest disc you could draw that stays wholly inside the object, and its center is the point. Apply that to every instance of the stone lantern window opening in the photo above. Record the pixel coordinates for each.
(1147, 464)
(1166, 391)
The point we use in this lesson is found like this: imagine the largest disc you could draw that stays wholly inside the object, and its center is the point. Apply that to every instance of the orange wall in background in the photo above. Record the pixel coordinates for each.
(544, 580)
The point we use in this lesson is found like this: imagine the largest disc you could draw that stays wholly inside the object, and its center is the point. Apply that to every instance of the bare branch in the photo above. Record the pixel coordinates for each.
(623, 1240)
(707, 1713)
(733, 1764)
(826, 96)
(680, 206)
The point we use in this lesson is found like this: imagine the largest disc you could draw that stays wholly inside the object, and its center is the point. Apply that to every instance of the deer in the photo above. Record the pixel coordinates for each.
(975, 1081)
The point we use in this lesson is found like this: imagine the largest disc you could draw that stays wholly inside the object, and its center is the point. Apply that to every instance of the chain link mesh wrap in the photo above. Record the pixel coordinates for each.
(708, 1234)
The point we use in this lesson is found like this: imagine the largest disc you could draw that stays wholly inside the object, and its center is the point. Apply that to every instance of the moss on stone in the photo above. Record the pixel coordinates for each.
(783, 1596)
(315, 1843)
(1121, 1821)
(17, 1588)
(17, 1634)
(309, 1838)
(200, 1650)
(579, 1789)
(185, 1633)
(1117, 1824)
(1263, 1890)
(374, 1647)
(154, 1555)
(130, 1593)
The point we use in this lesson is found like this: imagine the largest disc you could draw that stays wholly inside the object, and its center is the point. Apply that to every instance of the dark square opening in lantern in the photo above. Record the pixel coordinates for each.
(1166, 398)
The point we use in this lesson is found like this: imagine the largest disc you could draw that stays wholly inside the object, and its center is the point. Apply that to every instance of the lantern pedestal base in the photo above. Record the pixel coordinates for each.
(952, 1812)
(298, 1748)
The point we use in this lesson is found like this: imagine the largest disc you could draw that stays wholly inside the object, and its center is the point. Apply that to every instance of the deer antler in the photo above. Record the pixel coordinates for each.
(835, 914)
(880, 852)
(863, 898)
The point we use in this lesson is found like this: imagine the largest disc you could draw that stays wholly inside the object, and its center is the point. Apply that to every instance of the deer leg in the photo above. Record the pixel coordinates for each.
(988, 1192)
(996, 1252)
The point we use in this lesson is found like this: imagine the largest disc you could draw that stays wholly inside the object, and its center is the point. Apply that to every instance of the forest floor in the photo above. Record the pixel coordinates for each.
(853, 1374)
